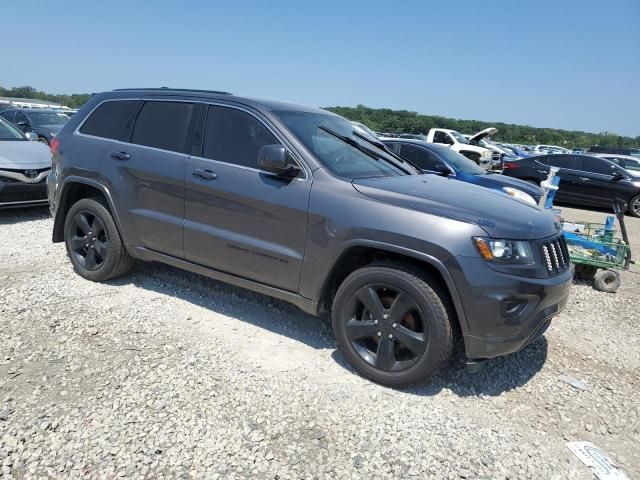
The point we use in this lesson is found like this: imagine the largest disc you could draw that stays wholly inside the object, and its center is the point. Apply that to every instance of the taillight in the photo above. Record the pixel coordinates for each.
(53, 146)
(510, 165)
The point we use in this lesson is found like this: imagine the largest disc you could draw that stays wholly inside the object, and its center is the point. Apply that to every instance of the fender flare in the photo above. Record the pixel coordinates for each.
(61, 211)
(431, 260)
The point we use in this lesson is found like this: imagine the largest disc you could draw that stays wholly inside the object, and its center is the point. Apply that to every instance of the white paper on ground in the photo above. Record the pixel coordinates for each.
(601, 465)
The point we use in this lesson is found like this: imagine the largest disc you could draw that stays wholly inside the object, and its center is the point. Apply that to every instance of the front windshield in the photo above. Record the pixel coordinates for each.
(459, 137)
(460, 162)
(9, 132)
(338, 156)
(48, 118)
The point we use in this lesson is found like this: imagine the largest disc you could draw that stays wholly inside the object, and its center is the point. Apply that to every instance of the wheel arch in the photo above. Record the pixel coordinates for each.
(359, 253)
(74, 189)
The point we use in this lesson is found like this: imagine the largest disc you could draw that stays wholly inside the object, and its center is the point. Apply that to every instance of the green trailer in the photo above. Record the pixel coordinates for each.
(598, 253)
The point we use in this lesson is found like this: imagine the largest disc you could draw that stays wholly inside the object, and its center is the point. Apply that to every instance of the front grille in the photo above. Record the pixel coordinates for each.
(555, 255)
(23, 193)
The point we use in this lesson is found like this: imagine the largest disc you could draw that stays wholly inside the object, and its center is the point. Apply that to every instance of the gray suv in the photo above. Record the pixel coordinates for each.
(291, 202)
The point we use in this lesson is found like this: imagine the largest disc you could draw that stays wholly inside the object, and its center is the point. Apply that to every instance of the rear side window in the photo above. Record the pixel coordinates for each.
(234, 136)
(164, 125)
(441, 137)
(109, 119)
(420, 157)
(561, 161)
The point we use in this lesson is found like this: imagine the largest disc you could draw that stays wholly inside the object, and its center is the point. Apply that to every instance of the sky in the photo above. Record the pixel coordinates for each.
(572, 64)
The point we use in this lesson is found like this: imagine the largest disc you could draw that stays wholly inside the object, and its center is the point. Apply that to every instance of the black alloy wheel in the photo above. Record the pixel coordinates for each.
(391, 323)
(93, 242)
(89, 241)
(386, 327)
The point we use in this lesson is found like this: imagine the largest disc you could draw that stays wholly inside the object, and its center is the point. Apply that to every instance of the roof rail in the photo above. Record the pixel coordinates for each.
(163, 89)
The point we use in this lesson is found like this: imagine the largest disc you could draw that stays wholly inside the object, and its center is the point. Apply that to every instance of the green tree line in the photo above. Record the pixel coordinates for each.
(72, 101)
(403, 121)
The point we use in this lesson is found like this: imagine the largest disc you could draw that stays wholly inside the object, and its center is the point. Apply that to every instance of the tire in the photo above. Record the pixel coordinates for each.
(43, 140)
(110, 257)
(585, 272)
(634, 206)
(607, 281)
(533, 182)
(374, 338)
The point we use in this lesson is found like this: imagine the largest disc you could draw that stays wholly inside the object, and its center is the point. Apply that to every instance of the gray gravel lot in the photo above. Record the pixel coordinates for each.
(165, 374)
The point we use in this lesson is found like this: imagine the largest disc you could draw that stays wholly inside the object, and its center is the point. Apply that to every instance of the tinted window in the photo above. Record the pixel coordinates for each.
(420, 157)
(109, 119)
(9, 115)
(164, 125)
(596, 165)
(21, 117)
(234, 136)
(561, 161)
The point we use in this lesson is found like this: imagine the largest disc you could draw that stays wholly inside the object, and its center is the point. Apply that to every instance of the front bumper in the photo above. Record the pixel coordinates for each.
(15, 194)
(504, 312)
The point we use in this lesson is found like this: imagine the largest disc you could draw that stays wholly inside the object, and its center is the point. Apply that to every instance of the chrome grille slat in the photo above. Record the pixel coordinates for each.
(556, 255)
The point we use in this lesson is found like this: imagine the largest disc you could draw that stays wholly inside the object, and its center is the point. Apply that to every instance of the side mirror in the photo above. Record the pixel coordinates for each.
(276, 159)
(441, 169)
(618, 175)
(31, 136)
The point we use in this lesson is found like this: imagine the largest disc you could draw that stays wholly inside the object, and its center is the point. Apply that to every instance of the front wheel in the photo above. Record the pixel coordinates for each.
(93, 243)
(391, 325)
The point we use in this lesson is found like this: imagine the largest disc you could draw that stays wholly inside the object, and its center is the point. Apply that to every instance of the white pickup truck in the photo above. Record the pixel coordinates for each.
(458, 142)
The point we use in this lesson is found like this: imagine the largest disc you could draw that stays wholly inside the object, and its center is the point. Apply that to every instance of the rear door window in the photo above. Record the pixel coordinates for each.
(164, 125)
(109, 119)
(234, 136)
(562, 161)
(420, 157)
(441, 137)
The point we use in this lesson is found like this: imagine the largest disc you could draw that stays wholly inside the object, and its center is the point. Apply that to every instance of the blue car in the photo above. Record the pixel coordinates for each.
(442, 160)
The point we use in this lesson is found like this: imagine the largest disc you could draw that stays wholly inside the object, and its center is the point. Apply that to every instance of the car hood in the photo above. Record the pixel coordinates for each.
(493, 180)
(484, 133)
(498, 214)
(24, 154)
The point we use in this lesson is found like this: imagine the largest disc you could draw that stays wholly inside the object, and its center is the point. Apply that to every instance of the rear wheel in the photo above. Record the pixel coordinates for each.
(607, 281)
(634, 206)
(43, 140)
(391, 325)
(93, 243)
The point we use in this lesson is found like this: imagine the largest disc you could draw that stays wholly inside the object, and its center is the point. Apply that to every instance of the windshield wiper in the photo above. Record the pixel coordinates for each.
(384, 148)
(371, 153)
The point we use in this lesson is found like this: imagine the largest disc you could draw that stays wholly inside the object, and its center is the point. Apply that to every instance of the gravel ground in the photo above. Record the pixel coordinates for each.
(165, 374)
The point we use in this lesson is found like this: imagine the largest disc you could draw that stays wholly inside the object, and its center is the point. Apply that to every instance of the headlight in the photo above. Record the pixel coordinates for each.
(519, 195)
(504, 251)
(486, 154)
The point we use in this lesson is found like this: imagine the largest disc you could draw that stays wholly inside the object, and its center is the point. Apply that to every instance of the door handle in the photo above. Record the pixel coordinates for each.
(206, 174)
(585, 179)
(543, 171)
(120, 155)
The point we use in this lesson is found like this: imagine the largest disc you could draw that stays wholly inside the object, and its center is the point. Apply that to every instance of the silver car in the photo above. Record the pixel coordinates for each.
(24, 166)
